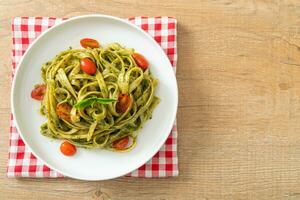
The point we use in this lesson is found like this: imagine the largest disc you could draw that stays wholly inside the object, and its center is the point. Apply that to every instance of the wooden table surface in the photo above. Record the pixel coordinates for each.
(239, 108)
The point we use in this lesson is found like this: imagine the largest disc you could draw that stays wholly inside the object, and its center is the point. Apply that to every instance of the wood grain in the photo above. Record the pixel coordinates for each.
(239, 110)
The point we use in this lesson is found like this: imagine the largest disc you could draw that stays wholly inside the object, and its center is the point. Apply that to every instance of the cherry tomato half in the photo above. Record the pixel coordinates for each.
(88, 42)
(63, 111)
(140, 61)
(88, 66)
(121, 143)
(124, 102)
(67, 148)
(38, 92)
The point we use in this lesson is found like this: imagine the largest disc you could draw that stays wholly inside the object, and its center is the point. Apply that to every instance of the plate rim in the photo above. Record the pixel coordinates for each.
(16, 75)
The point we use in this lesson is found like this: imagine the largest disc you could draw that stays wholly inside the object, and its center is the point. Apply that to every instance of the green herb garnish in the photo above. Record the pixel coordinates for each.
(90, 101)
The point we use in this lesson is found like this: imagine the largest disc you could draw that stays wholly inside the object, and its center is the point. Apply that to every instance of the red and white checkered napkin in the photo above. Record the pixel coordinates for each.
(22, 163)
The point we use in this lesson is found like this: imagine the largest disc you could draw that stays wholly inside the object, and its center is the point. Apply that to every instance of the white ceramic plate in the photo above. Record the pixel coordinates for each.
(93, 164)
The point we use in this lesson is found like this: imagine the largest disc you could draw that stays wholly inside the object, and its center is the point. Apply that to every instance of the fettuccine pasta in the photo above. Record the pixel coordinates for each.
(98, 106)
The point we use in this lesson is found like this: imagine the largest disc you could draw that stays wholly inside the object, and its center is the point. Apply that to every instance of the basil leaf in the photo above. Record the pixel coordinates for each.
(89, 101)
(84, 103)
